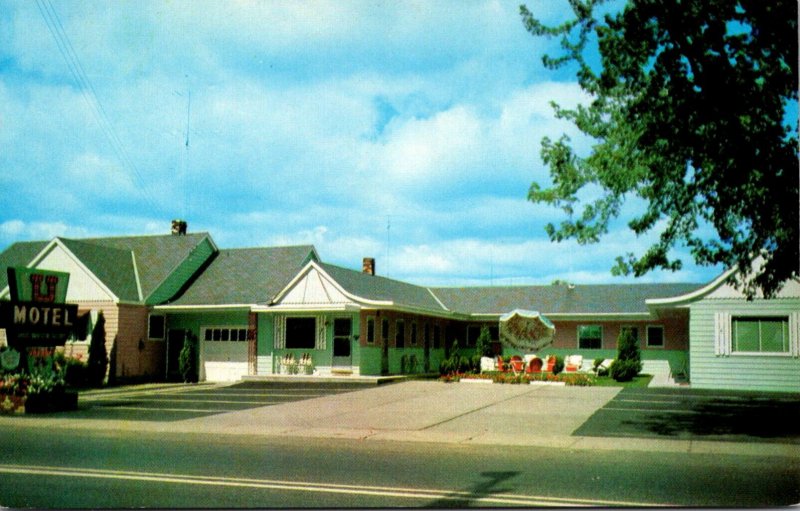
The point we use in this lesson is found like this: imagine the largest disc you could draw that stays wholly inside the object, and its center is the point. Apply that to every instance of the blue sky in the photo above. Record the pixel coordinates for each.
(405, 131)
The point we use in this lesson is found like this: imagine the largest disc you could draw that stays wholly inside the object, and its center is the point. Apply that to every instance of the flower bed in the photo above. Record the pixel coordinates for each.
(572, 379)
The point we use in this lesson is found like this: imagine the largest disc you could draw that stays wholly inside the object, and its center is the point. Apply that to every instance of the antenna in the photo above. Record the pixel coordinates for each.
(185, 177)
(388, 241)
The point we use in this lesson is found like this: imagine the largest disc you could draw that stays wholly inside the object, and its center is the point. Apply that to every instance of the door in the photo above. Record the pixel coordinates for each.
(342, 340)
(174, 346)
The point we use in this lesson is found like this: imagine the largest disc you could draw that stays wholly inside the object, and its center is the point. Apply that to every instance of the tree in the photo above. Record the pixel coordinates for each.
(98, 356)
(693, 108)
(629, 358)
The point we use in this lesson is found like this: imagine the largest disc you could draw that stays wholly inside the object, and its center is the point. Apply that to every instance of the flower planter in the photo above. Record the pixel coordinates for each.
(10, 405)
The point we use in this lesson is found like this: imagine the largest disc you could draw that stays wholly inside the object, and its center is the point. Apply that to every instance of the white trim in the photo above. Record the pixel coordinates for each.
(56, 242)
(136, 276)
(204, 308)
(437, 299)
(693, 295)
(574, 316)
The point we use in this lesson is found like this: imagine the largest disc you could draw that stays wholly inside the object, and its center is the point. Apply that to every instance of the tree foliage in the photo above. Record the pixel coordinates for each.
(693, 109)
(98, 356)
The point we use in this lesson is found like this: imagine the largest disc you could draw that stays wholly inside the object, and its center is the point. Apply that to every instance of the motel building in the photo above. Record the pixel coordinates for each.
(282, 310)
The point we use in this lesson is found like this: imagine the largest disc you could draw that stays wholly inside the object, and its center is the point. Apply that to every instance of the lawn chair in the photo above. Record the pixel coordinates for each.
(517, 364)
(573, 363)
(535, 365)
(501, 365)
(551, 364)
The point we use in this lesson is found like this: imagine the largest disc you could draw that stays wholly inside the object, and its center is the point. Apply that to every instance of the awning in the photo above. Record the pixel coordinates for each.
(526, 330)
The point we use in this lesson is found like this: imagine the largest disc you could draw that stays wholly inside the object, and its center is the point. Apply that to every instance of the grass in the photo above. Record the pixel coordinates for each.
(639, 381)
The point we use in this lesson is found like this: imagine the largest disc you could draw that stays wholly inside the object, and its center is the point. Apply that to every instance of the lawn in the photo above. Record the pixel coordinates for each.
(638, 381)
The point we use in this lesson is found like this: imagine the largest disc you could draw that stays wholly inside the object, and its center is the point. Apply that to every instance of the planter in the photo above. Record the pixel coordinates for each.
(61, 401)
(476, 380)
(10, 405)
(551, 383)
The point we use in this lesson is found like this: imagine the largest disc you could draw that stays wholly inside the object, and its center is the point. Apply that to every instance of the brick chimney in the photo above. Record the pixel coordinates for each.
(368, 266)
(179, 227)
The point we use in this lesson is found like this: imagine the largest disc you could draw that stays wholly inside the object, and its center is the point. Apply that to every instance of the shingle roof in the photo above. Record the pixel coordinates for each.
(18, 254)
(113, 266)
(375, 287)
(246, 275)
(156, 256)
(558, 299)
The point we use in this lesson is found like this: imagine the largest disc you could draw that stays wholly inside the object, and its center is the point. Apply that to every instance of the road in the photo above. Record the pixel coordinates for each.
(66, 468)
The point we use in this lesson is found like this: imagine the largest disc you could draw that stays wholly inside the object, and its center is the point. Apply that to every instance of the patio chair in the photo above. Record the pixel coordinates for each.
(535, 365)
(551, 364)
(501, 365)
(517, 364)
(573, 363)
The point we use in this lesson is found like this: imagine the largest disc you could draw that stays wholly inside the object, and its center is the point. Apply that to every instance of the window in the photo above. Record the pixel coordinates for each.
(590, 337)
(156, 327)
(301, 333)
(494, 333)
(400, 334)
(413, 333)
(385, 332)
(655, 336)
(634, 330)
(370, 330)
(224, 334)
(760, 335)
(473, 332)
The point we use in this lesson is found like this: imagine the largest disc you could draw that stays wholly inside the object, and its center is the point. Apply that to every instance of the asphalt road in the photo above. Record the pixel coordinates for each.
(101, 469)
(698, 415)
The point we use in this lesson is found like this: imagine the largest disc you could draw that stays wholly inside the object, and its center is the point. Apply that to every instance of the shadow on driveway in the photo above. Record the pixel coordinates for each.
(689, 414)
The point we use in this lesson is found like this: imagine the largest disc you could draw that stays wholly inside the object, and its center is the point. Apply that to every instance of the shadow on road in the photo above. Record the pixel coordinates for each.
(491, 485)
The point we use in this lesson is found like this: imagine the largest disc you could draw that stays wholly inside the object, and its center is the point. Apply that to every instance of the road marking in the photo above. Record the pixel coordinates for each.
(304, 486)
(156, 409)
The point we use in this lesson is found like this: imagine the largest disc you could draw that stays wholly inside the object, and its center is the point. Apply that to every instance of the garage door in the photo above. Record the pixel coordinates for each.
(224, 353)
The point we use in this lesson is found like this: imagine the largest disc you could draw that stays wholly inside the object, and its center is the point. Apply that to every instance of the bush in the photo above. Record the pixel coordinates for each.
(483, 346)
(629, 355)
(625, 370)
(559, 365)
(98, 356)
(187, 359)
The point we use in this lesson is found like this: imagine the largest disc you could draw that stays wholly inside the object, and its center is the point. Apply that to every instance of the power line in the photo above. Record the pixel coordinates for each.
(89, 94)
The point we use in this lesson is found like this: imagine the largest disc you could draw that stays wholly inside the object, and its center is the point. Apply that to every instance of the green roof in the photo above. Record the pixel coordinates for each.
(18, 254)
(558, 299)
(375, 287)
(246, 275)
(113, 266)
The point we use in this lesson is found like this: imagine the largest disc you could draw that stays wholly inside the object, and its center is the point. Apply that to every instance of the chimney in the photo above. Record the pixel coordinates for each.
(179, 227)
(368, 266)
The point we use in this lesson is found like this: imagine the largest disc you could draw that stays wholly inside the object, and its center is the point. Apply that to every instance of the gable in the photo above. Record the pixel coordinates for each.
(83, 285)
(314, 288)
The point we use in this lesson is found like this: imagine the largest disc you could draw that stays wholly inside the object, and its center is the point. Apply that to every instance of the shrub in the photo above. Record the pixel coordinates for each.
(483, 346)
(625, 370)
(98, 357)
(628, 353)
(559, 365)
(187, 359)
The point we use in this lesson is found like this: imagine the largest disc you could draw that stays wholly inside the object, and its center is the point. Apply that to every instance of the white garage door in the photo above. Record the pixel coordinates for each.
(224, 353)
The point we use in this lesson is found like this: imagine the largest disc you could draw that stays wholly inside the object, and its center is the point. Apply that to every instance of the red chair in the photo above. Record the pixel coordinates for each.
(501, 366)
(517, 364)
(551, 364)
(535, 365)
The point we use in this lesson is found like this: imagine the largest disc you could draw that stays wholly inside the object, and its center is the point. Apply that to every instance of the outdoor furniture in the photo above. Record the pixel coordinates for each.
(517, 364)
(535, 365)
(501, 365)
(551, 364)
(573, 363)
(487, 364)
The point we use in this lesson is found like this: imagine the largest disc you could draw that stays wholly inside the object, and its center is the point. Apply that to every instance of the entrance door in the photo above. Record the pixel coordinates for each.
(174, 346)
(342, 339)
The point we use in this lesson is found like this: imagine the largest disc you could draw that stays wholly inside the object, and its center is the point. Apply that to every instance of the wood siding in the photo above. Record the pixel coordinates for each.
(776, 372)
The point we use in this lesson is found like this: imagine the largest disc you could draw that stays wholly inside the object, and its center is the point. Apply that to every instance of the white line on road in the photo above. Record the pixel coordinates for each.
(269, 484)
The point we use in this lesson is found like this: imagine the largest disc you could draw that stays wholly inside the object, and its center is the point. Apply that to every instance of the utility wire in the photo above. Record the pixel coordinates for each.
(89, 94)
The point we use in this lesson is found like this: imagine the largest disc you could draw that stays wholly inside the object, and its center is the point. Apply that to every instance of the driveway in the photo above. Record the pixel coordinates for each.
(698, 414)
(175, 402)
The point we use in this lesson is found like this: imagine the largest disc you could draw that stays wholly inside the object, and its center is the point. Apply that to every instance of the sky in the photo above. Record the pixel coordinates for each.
(408, 131)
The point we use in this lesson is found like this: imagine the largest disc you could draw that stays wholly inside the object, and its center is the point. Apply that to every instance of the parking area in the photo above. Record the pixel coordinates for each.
(689, 414)
(171, 402)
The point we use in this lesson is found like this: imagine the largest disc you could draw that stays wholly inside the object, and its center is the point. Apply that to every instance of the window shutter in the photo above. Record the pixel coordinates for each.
(722, 334)
(280, 332)
(794, 334)
(320, 344)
